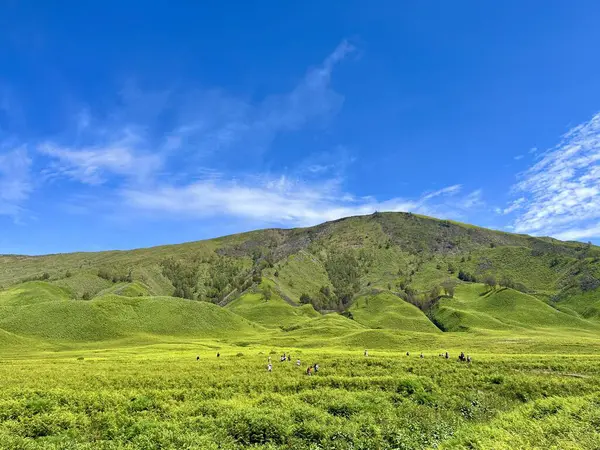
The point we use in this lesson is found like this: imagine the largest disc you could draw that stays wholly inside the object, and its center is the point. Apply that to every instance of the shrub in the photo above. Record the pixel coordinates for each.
(305, 298)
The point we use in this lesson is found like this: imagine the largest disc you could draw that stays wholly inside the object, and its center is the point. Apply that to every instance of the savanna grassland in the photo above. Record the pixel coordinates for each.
(100, 350)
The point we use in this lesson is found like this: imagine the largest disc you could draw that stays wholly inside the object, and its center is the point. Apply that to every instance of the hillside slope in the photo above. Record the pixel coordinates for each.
(386, 311)
(334, 266)
(474, 307)
(54, 317)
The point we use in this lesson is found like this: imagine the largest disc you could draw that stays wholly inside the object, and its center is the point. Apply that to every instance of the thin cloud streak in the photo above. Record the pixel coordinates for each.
(279, 201)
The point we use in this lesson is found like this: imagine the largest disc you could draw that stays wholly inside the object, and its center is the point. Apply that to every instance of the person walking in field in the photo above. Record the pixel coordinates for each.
(270, 368)
(366, 353)
(197, 358)
(309, 371)
(422, 355)
(447, 356)
(269, 359)
(316, 368)
(461, 357)
(407, 354)
(218, 355)
(289, 357)
(469, 359)
(298, 362)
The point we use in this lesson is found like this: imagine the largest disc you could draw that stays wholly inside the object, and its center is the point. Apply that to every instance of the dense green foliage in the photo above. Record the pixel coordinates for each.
(152, 398)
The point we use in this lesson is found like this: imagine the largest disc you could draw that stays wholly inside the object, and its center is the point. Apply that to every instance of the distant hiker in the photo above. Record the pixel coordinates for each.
(218, 355)
(289, 357)
(298, 362)
(462, 356)
(269, 359)
(447, 356)
(422, 355)
(407, 354)
(366, 353)
(270, 368)
(197, 358)
(316, 368)
(469, 359)
(309, 370)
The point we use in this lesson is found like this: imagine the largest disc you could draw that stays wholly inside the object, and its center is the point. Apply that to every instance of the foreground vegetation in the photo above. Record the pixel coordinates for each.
(161, 397)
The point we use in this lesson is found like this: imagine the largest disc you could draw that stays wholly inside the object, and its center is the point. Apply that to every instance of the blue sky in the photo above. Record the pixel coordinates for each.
(130, 124)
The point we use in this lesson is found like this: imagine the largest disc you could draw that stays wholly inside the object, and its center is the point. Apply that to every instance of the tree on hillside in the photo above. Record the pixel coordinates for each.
(267, 293)
(435, 292)
(466, 276)
(305, 298)
(506, 282)
(448, 287)
(490, 281)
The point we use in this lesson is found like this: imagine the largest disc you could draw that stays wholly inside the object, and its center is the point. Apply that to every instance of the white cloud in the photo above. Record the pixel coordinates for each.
(15, 180)
(519, 157)
(561, 192)
(578, 234)
(93, 164)
(514, 206)
(473, 200)
(450, 190)
(279, 200)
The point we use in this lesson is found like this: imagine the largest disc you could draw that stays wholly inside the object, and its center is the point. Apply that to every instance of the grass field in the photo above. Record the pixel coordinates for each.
(159, 396)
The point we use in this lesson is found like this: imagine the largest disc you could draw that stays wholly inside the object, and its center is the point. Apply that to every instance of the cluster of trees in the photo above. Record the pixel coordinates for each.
(116, 275)
(325, 299)
(210, 279)
(183, 275)
(466, 276)
(224, 275)
(344, 270)
(43, 277)
(588, 282)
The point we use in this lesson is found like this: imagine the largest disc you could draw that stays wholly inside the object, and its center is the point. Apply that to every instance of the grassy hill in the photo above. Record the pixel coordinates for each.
(41, 310)
(271, 313)
(386, 311)
(332, 267)
(475, 307)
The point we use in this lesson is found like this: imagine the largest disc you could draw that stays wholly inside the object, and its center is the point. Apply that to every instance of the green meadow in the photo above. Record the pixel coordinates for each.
(118, 350)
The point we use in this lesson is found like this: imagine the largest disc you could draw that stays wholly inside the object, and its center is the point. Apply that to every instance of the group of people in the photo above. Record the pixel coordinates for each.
(461, 358)
(309, 371)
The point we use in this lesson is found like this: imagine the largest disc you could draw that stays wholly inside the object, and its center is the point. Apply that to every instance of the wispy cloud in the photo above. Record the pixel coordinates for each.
(94, 164)
(579, 233)
(450, 190)
(519, 157)
(280, 201)
(214, 121)
(561, 192)
(514, 206)
(15, 180)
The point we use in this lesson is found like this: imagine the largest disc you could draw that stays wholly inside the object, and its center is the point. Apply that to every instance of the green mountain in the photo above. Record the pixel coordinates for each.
(371, 276)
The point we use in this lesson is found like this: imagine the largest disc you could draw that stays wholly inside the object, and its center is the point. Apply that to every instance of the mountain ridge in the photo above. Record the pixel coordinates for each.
(419, 260)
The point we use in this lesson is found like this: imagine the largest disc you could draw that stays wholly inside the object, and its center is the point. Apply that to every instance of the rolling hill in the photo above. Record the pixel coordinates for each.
(360, 278)
(43, 311)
